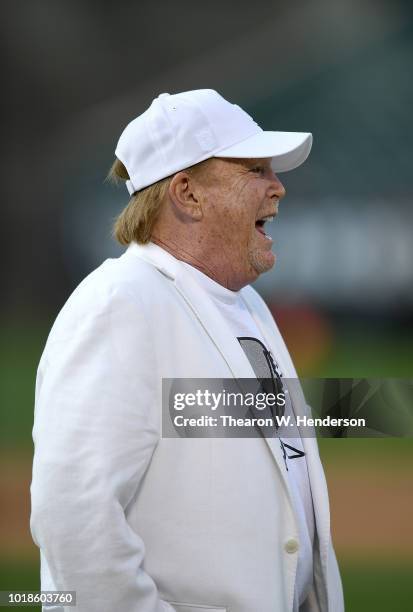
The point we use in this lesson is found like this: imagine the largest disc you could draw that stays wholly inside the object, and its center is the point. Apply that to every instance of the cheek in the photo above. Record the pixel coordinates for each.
(243, 211)
(238, 228)
(233, 214)
(241, 219)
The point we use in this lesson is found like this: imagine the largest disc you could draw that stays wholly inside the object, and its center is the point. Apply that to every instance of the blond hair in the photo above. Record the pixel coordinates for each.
(136, 221)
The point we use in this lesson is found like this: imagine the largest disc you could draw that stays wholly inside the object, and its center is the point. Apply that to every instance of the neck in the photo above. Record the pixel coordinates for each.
(197, 260)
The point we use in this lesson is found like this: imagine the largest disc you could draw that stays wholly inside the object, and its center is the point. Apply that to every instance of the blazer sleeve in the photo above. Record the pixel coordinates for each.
(95, 430)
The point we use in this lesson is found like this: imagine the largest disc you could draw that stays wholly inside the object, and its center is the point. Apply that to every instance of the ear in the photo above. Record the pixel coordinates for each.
(184, 193)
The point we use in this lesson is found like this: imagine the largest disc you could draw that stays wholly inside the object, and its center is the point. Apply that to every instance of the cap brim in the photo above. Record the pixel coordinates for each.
(288, 150)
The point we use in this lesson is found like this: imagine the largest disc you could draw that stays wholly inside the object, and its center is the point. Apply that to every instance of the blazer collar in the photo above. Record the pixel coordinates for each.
(155, 255)
(205, 310)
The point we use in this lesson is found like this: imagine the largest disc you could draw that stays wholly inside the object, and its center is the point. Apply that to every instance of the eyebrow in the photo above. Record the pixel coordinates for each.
(260, 160)
(249, 161)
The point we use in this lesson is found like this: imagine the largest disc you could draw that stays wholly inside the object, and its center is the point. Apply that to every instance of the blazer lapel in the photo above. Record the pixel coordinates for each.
(229, 347)
(315, 470)
(213, 323)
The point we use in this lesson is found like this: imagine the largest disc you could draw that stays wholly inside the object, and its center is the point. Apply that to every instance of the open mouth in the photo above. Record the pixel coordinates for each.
(260, 224)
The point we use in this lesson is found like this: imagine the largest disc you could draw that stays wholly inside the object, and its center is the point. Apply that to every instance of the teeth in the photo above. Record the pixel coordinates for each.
(268, 219)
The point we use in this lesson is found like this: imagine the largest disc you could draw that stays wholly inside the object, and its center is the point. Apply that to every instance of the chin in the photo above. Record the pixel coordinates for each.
(262, 261)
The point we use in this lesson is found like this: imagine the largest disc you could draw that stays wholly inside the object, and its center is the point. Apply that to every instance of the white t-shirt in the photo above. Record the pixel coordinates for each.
(235, 312)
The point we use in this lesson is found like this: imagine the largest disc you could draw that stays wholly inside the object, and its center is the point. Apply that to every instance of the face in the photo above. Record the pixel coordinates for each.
(240, 197)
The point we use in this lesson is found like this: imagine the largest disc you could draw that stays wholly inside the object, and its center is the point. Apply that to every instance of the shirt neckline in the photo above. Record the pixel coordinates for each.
(214, 289)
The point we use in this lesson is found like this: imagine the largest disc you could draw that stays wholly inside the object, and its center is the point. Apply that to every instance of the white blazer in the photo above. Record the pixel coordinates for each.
(137, 523)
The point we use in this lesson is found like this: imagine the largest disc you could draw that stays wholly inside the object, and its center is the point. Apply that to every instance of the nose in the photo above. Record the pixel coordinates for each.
(276, 188)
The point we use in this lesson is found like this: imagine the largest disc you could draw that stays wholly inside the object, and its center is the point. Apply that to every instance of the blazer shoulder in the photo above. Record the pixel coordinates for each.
(116, 285)
(129, 275)
(123, 277)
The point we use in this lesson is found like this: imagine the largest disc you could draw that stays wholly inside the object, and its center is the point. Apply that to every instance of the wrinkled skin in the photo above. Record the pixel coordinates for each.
(209, 219)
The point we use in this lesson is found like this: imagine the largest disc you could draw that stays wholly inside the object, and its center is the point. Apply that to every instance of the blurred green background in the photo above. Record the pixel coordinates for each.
(342, 288)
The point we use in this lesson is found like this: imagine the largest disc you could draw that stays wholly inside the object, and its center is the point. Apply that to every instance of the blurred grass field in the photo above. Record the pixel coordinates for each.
(377, 571)
(371, 587)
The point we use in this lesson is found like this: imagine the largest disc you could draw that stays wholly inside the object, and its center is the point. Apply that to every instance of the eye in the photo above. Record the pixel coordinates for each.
(258, 169)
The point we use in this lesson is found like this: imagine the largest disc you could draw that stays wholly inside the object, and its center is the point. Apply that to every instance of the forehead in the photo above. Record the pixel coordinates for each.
(247, 162)
(230, 166)
(215, 170)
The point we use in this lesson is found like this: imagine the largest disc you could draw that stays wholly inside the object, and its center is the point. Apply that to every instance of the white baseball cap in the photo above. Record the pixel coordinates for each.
(180, 130)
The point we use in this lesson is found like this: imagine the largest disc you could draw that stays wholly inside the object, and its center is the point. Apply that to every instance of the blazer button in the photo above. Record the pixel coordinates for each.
(291, 546)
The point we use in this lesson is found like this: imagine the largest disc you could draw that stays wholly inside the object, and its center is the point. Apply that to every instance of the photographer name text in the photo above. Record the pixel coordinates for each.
(277, 421)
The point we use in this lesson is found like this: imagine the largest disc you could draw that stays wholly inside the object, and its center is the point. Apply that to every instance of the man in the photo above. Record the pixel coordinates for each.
(136, 522)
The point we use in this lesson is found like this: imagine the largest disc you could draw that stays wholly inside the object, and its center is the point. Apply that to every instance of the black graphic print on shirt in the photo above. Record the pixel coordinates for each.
(269, 374)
